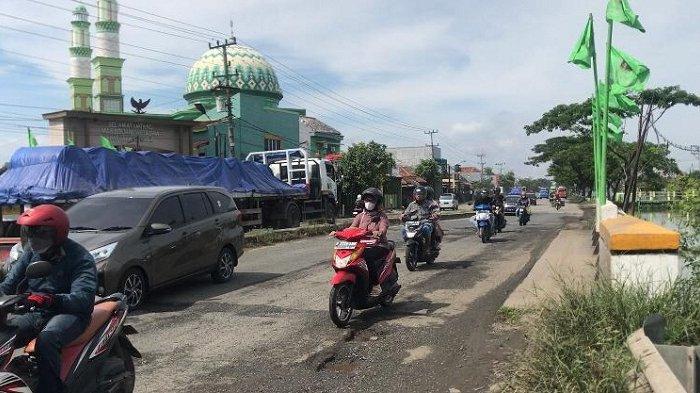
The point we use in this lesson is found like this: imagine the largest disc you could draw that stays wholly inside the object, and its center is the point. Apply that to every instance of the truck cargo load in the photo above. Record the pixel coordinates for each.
(64, 173)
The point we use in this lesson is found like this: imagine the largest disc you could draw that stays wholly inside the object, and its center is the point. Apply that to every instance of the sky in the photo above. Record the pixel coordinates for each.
(477, 71)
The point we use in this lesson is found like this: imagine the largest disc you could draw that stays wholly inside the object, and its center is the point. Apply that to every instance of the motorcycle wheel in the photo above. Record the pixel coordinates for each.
(340, 304)
(484, 235)
(411, 258)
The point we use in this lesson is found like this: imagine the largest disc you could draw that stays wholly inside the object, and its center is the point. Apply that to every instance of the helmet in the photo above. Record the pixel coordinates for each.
(46, 220)
(373, 192)
(420, 192)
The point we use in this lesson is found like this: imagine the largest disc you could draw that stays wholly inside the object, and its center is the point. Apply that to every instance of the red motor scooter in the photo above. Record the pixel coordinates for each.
(352, 283)
(100, 360)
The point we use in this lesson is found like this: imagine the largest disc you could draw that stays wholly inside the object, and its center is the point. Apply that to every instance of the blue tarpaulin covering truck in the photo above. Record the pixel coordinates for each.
(64, 174)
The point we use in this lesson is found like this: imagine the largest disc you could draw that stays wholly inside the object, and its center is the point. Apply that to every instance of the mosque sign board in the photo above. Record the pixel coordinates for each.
(144, 132)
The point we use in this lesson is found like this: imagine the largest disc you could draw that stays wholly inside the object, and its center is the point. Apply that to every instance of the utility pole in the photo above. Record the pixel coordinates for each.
(225, 86)
(432, 145)
(481, 162)
(500, 171)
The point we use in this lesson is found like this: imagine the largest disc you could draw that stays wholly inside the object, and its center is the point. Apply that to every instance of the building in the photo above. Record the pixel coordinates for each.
(97, 103)
(203, 128)
(412, 156)
(318, 137)
(259, 123)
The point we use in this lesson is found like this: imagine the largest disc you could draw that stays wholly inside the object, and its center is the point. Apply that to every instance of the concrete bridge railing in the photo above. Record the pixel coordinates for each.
(637, 252)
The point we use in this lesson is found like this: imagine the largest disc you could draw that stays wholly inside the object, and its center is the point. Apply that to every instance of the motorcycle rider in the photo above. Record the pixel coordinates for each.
(499, 200)
(373, 219)
(483, 198)
(63, 301)
(426, 209)
(524, 201)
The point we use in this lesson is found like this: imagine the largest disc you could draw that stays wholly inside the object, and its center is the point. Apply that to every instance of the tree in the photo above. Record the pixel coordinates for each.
(364, 165)
(508, 180)
(653, 104)
(625, 159)
(570, 161)
(430, 171)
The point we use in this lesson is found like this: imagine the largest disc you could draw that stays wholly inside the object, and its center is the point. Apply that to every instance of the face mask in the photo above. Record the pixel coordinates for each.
(39, 245)
(370, 205)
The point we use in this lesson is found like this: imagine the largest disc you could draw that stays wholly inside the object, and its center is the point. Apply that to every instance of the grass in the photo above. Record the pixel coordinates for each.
(510, 315)
(577, 344)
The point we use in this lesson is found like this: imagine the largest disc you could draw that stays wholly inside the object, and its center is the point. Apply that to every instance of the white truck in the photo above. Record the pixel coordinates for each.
(296, 168)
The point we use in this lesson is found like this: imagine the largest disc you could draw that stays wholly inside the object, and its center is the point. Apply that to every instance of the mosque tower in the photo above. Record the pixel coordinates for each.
(80, 80)
(107, 63)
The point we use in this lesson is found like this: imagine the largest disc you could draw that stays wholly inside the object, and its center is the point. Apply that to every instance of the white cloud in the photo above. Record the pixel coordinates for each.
(468, 127)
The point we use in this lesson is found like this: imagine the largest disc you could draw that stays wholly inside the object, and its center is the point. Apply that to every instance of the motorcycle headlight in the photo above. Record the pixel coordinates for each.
(102, 253)
(342, 262)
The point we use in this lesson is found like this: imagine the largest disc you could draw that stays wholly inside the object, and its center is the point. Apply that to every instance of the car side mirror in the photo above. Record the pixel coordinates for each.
(158, 229)
(38, 269)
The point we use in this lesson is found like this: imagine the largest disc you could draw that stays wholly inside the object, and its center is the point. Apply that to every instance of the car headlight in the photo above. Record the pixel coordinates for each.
(102, 253)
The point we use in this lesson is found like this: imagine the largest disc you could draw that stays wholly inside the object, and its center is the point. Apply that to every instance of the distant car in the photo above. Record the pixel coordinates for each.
(543, 194)
(510, 204)
(449, 201)
(533, 198)
(145, 238)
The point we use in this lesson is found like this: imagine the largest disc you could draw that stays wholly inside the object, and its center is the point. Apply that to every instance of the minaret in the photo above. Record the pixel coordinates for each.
(107, 63)
(80, 80)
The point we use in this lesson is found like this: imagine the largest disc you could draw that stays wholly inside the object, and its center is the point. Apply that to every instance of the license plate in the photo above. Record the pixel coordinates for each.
(345, 245)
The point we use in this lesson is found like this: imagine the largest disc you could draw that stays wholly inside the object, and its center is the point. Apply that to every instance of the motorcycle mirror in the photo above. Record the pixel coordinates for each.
(38, 269)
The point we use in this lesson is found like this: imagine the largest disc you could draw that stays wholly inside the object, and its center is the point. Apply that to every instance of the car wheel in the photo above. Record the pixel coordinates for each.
(134, 287)
(224, 266)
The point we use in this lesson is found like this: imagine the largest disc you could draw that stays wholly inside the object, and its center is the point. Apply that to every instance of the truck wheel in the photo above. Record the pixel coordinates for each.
(293, 216)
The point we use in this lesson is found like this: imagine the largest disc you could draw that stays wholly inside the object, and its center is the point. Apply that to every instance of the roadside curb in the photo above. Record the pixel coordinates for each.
(267, 237)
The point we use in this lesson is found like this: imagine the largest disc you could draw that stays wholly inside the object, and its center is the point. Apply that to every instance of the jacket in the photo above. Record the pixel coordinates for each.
(426, 210)
(73, 280)
(374, 221)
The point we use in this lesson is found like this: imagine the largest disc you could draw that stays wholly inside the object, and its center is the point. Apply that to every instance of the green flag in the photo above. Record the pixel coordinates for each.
(620, 11)
(618, 99)
(626, 71)
(583, 50)
(31, 139)
(104, 142)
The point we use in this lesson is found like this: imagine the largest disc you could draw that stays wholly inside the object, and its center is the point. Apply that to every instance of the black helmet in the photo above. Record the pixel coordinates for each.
(420, 191)
(374, 192)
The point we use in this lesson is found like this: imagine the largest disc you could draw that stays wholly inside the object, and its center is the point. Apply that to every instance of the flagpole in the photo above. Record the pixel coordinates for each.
(595, 129)
(601, 194)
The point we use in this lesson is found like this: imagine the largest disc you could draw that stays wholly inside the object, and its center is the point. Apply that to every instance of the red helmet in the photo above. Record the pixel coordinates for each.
(47, 216)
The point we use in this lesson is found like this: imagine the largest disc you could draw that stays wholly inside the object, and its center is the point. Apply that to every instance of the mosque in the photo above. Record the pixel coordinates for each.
(202, 128)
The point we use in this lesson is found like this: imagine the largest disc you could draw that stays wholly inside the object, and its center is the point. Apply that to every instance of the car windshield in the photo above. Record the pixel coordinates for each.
(446, 197)
(108, 213)
(512, 199)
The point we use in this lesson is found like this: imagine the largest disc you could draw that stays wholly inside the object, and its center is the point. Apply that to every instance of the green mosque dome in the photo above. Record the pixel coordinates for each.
(250, 73)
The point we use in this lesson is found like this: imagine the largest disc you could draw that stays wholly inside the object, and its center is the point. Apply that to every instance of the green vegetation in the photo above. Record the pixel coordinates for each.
(430, 171)
(578, 342)
(364, 165)
(631, 165)
(687, 211)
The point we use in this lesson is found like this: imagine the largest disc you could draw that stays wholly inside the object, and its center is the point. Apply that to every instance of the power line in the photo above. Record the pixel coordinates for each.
(68, 41)
(345, 100)
(294, 79)
(109, 40)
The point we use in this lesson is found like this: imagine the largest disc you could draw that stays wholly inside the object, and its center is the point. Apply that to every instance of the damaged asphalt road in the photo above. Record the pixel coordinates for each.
(268, 330)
